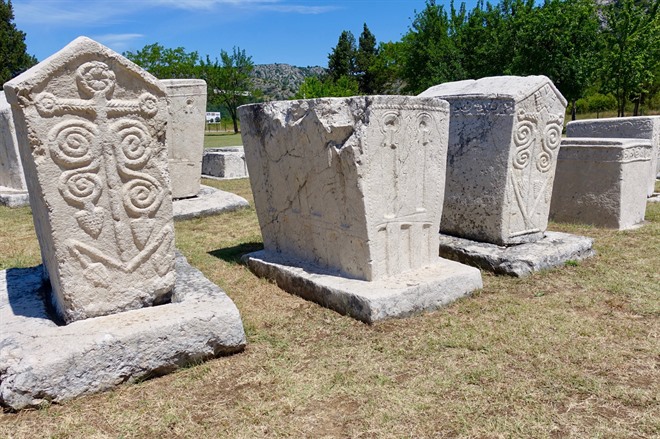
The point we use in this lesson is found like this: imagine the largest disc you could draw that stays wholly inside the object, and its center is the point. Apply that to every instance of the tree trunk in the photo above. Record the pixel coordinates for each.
(573, 110)
(235, 120)
(636, 110)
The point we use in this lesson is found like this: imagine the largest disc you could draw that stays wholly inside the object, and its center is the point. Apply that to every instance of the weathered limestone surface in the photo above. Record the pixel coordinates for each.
(224, 163)
(352, 184)
(209, 201)
(503, 139)
(647, 127)
(521, 260)
(602, 182)
(91, 130)
(13, 190)
(408, 293)
(185, 134)
(42, 362)
(349, 198)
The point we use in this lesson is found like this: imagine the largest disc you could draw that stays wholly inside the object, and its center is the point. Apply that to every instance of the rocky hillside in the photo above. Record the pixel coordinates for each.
(281, 81)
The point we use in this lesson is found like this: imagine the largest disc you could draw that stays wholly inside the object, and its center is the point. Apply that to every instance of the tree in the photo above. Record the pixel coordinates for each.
(559, 39)
(341, 61)
(228, 80)
(631, 36)
(386, 68)
(166, 63)
(431, 56)
(315, 87)
(14, 58)
(364, 61)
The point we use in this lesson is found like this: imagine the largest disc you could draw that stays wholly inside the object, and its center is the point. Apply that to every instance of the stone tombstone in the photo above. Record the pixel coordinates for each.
(353, 185)
(224, 163)
(503, 138)
(185, 134)
(11, 170)
(91, 128)
(601, 182)
(639, 127)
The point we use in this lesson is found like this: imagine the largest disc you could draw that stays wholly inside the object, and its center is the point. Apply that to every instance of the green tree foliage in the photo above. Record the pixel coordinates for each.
(365, 59)
(14, 58)
(631, 52)
(341, 61)
(315, 87)
(560, 42)
(431, 55)
(386, 68)
(166, 63)
(228, 80)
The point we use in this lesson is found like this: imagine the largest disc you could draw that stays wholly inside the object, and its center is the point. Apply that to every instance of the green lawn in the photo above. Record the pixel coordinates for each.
(568, 353)
(217, 140)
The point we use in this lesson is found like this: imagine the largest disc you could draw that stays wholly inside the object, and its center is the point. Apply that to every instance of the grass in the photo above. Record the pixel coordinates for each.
(572, 352)
(217, 140)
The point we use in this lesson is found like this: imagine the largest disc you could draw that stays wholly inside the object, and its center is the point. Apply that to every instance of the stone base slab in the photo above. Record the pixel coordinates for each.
(399, 296)
(13, 197)
(655, 198)
(554, 250)
(42, 362)
(209, 201)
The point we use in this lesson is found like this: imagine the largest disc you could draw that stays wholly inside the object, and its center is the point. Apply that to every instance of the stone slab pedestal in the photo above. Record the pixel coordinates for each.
(408, 293)
(42, 362)
(224, 163)
(209, 201)
(553, 250)
(13, 198)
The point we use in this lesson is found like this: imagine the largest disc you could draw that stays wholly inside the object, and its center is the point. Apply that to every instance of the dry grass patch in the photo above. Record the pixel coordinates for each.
(571, 352)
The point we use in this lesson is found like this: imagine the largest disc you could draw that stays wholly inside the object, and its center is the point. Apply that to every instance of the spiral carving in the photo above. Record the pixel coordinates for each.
(148, 104)
(80, 188)
(142, 196)
(523, 139)
(96, 77)
(134, 143)
(72, 143)
(553, 136)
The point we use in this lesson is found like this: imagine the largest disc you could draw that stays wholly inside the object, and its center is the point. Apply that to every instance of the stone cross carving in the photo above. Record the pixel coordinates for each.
(93, 137)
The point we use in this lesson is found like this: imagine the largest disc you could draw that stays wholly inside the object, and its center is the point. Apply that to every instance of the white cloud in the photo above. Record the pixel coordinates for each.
(117, 42)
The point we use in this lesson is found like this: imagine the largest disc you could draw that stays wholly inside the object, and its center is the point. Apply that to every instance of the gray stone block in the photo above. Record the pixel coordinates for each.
(14, 198)
(602, 182)
(553, 250)
(411, 292)
(209, 201)
(647, 127)
(224, 163)
(42, 362)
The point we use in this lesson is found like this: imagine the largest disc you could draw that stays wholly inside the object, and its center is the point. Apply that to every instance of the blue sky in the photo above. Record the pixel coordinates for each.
(298, 32)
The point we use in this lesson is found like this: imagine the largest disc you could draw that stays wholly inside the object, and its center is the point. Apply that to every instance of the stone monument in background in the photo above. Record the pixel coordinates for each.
(185, 134)
(348, 192)
(13, 190)
(504, 136)
(602, 182)
(646, 127)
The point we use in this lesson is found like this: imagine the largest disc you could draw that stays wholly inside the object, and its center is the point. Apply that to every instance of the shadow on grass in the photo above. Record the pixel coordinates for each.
(233, 254)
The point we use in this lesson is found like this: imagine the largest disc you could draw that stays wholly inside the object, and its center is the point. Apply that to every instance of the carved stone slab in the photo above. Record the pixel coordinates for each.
(13, 190)
(503, 139)
(91, 130)
(602, 182)
(185, 133)
(350, 184)
(647, 127)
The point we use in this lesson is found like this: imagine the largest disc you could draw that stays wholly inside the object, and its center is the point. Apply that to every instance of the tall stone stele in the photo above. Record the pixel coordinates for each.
(504, 134)
(185, 134)
(349, 184)
(91, 128)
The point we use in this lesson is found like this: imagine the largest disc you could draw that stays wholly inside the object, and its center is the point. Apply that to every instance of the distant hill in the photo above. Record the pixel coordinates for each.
(281, 81)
